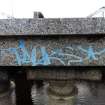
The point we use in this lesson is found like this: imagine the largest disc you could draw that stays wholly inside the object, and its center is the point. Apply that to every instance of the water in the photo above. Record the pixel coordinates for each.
(89, 93)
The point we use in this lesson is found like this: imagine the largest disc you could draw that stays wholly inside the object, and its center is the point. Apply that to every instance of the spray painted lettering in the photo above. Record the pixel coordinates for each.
(24, 55)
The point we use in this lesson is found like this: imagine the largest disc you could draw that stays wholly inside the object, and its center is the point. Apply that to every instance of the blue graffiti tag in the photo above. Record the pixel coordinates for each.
(91, 54)
(24, 57)
(58, 55)
(29, 55)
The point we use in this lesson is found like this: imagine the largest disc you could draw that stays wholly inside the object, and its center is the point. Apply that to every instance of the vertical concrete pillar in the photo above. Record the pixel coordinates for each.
(23, 90)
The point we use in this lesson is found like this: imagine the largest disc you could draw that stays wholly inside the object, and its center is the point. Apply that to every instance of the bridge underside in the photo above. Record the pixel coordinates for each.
(56, 51)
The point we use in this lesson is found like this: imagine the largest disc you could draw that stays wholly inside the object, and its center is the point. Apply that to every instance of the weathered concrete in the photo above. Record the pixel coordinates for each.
(47, 43)
(61, 91)
(49, 51)
(64, 74)
(59, 26)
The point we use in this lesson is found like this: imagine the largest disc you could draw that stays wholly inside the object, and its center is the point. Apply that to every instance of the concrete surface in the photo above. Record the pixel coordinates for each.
(49, 26)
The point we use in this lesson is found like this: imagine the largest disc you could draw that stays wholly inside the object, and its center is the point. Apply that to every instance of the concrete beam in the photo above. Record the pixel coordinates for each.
(44, 26)
(64, 74)
(61, 51)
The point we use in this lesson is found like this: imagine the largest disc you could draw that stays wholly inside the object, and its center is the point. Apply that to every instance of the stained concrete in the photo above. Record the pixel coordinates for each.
(52, 26)
(60, 51)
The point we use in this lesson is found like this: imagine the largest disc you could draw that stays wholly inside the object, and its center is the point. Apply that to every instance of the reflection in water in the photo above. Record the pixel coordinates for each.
(88, 94)
(39, 96)
(8, 97)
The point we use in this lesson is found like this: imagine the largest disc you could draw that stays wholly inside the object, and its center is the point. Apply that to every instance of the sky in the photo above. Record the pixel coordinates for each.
(49, 8)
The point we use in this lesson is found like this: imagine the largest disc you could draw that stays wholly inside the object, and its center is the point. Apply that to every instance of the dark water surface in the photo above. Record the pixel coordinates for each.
(89, 93)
